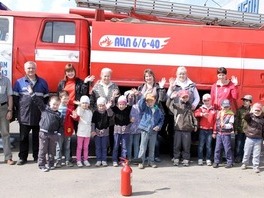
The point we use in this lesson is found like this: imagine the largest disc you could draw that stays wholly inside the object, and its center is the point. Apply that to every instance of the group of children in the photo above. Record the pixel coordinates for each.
(138, 123)
(247, 124)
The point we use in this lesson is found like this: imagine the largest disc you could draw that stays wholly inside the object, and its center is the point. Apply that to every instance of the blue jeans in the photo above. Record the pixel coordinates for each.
(252, 145)
(63, 147)
(134, 141)
(148, 140)
(101, 147)
(240, 143)
(123, 140)
(223, 141)
(205, 138)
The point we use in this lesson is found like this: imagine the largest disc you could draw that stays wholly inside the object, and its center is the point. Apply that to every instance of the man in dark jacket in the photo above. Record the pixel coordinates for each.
(28, 113)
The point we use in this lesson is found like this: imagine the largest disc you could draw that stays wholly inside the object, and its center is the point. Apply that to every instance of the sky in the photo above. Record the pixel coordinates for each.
(64, 5)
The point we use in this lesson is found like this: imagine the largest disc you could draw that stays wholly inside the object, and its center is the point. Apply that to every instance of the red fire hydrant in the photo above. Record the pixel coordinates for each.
(126, 187)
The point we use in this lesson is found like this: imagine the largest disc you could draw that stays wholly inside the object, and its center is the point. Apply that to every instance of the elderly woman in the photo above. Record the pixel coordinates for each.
(224, 89)
(104, 88)
(108, 90)
(182, 82)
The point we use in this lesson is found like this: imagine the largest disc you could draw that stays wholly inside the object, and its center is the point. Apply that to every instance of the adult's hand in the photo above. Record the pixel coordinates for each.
(162, 82)
(234, 80)
(89, 79)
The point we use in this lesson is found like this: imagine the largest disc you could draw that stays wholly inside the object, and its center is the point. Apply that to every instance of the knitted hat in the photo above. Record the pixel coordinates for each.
(122, 99)
(101, 100)
(85, 99)
(257, 106)
(206, 96)
(225, 103)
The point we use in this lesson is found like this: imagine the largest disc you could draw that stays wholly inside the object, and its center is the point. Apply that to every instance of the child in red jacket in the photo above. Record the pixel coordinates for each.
(207, 115)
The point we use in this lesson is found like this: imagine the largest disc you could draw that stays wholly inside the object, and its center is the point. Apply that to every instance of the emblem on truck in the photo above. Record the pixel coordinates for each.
(133, 42)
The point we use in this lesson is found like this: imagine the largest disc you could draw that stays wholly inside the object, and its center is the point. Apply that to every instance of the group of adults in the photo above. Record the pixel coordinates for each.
(28, 114)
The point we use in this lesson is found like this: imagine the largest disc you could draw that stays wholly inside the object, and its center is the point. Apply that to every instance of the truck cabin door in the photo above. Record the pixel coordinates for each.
(57, 45)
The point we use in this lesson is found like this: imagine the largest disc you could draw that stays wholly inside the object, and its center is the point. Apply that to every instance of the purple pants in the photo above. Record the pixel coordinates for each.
(223, 141)
(82, 145)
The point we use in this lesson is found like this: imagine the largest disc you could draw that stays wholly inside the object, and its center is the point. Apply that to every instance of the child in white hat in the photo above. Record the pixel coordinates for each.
(84, 131)
(100, 130)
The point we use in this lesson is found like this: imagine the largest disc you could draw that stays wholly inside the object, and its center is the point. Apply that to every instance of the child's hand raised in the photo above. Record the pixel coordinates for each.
(115, 93)
(29, 89)
(174, 94)
(74, 114)
(108, 104)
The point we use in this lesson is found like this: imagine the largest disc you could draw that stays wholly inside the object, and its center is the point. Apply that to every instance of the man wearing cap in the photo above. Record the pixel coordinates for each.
(6, 113)
(239, 127)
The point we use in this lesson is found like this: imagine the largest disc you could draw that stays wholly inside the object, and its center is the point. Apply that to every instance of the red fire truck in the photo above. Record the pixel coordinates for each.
(136, 35)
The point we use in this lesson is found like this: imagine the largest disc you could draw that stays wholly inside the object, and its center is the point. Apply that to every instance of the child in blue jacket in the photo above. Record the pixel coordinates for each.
(150, 123)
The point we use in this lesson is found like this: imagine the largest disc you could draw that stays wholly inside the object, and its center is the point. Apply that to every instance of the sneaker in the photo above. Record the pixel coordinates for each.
(10, 162)
(98, 163)
(115, 164)
(208, 163)
(140, 166)
(200, 162)
(58, 165)
(63, 163)
(176, 162)
(104, 163)
(69, 164)
(51, 167)
(244, 167)
(215, 165)
(79, 164)
(229, 166)
(256, 170)
(185, 162)
(153, 165)
(172, 159)
(157, 159)
(86, 163)
(21, 162)
(43, 168)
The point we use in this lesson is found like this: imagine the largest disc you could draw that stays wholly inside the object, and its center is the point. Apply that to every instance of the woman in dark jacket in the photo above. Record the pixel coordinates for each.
(75, 86)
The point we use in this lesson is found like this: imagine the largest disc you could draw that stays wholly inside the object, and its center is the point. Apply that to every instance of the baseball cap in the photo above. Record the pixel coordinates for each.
(183, 93)
(150, 96)
(225, 103)
(247, 97)
(85, 99)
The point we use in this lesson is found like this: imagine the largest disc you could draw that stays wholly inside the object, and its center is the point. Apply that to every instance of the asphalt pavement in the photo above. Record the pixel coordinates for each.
(165, 181)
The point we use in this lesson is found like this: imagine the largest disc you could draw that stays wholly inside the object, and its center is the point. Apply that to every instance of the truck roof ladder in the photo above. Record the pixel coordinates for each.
(167, 9)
